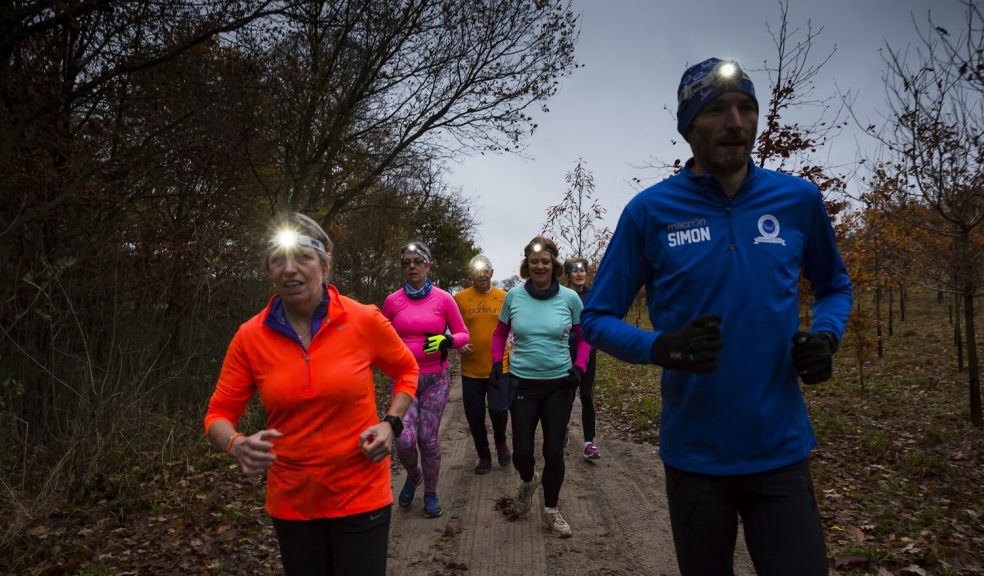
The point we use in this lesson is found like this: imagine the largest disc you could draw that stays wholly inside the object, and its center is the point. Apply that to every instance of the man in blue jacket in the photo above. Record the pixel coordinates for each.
(720, 248)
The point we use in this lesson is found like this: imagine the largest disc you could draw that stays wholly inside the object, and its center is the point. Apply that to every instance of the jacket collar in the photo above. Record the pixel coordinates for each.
(330, 309)
(709, 181)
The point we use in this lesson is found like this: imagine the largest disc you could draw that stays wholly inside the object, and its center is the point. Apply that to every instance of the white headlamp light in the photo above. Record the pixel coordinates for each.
(288, 239)
(727, 69)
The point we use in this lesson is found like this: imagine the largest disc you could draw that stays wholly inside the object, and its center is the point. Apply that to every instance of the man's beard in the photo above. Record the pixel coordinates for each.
(726, 161)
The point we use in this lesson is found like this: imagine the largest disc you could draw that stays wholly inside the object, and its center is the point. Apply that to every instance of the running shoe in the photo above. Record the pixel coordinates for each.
(524, 497)
(432, 508)
(484, 466)
(502, 451)
(591, 451)
(409, 490)
(555, 522)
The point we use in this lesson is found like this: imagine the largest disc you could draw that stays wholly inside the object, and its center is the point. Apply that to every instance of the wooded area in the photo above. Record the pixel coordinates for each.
(144, 145)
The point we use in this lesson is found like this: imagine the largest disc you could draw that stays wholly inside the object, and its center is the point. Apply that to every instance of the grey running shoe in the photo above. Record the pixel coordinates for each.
(556, 523)
(524, 497)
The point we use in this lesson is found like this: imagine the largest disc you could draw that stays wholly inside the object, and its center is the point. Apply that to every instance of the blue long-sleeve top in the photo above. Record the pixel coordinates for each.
(697, 252)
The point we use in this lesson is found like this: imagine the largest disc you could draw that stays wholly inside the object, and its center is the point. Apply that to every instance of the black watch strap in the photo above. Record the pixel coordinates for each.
(395, 423)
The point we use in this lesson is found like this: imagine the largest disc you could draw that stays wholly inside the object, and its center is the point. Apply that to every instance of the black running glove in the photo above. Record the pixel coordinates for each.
(812, 356)
(574, 376)
(695, 348)
(496, 374)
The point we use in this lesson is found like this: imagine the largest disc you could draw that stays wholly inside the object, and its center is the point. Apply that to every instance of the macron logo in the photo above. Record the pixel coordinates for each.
(689, 232)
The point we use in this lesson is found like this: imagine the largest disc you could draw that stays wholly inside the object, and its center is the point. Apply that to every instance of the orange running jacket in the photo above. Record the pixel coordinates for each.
(320, 400)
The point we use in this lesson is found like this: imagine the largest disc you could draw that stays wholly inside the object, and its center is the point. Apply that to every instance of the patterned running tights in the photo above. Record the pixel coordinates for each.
(421, 425)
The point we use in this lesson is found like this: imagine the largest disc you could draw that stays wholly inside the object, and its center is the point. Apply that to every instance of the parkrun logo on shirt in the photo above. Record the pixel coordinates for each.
(689, 232)
(482, 308)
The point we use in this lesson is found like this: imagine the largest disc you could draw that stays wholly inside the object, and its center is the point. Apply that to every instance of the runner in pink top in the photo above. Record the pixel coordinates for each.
(422, 315)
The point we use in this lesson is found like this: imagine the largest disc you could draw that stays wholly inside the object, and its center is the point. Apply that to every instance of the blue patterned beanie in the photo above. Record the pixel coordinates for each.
(704, 82)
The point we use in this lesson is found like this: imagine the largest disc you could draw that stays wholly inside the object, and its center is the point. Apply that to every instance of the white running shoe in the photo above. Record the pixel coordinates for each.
(556, 523)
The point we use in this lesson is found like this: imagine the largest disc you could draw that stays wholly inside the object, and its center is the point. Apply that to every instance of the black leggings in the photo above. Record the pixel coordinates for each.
(549, 404)
(335, 546)
(587, 399)
(473, 393)
(779, 516)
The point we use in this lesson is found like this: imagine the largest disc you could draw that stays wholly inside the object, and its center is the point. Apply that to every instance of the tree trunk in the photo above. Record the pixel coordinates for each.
(974, 378)
(902, 303)
(891, 311)
(957, 336)
(859, 336)
(878, 322)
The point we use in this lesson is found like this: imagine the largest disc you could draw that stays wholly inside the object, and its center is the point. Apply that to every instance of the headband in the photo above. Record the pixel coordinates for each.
(288, 239)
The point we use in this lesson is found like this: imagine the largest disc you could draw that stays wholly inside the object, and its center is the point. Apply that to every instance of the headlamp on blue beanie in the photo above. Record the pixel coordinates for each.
(704, 82)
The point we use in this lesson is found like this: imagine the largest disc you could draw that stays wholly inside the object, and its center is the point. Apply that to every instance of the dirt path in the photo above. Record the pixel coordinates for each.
(616, 507)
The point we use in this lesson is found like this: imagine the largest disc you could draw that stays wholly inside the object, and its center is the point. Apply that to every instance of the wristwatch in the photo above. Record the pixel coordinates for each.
(395, 423)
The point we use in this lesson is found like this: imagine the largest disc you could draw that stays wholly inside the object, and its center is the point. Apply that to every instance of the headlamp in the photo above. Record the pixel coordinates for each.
(579, 265)
(537, 247)
(417, 248)
(289, 239)
(724, 74)
(479, 265)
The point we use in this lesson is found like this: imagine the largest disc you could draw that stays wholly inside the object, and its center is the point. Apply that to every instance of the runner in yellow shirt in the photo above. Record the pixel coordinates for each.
(480, 305)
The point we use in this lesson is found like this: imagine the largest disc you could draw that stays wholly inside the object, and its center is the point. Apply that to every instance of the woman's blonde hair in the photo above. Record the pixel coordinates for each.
(547, 245)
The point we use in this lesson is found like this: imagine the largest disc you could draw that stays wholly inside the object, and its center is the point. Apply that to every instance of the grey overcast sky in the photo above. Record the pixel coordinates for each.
(617, 113)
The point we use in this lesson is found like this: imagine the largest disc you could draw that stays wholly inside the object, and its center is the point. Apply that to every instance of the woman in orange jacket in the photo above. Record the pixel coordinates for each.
(310, 354)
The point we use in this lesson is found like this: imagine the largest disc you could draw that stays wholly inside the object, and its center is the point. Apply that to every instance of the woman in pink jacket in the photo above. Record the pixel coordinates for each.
(430, 324)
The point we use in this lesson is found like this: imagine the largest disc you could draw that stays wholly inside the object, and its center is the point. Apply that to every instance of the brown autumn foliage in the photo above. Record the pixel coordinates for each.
(935, 134)
(575, 223)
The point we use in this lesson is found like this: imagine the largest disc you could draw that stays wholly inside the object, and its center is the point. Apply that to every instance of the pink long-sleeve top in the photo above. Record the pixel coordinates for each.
(414, 319)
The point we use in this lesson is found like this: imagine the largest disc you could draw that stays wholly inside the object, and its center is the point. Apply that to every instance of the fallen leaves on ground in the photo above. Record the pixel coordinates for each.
(204, 518)
(899, 467)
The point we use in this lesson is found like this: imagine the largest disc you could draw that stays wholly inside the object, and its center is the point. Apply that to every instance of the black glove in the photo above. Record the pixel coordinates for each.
(812, 355)
(696, 348)
(574, 376)
(496, 374)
